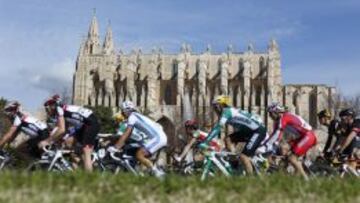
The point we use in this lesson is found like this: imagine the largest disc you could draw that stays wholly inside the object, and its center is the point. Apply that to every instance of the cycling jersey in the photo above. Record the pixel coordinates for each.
(156, 136)
(83, 120)
(334, 130)
(74, 115)
(304, 136)
(136, 135)
(290, 123)
(201, 136)
(355, 142)
(355, 127)
(29, 125)
(144, 124)
(244, 123)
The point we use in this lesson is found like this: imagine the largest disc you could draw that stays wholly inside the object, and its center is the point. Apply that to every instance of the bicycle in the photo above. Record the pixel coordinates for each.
(52, 159)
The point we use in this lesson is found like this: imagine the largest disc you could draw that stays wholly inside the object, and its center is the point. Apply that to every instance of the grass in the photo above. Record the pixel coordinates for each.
(82, 187)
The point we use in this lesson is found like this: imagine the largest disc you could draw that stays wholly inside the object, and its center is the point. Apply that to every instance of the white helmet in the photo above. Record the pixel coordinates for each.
(128, 106)
(275, 107)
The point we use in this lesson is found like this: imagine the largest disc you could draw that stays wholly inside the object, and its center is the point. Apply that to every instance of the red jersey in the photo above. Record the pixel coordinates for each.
(291, 123)
(201, 137)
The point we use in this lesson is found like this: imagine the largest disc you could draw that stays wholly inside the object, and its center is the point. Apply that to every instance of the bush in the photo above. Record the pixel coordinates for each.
(105, 118)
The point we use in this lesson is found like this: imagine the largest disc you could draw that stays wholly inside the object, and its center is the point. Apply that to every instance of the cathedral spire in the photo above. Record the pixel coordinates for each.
(93, 43)
(273, 46)
(109, 42)
(94, 28)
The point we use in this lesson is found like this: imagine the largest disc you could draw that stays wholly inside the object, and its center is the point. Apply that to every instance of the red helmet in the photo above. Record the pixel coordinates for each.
(192, 124)
(53, 100)
(12, 108)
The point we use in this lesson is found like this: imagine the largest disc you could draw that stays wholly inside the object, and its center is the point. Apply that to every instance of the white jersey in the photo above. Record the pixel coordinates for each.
(74, 115)
(136, 135)
(29, 125)
(144, 125)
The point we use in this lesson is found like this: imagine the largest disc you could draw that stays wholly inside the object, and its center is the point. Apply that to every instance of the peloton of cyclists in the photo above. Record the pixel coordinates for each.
(133, 126)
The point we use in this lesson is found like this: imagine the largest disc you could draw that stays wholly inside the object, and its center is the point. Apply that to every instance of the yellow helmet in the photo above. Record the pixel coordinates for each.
(119, 117)
(324, 113)
(222, 100)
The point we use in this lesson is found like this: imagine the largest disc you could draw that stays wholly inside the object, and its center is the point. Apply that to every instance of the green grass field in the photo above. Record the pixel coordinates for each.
(81, 187)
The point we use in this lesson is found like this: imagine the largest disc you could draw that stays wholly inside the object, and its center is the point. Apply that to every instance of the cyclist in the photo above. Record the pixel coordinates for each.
(304, 136)
(334, 130)
(136, 136)
(351, 143)
(157, 138)
(32, 127)
(197, 136)
(248, 128)
(81, 118)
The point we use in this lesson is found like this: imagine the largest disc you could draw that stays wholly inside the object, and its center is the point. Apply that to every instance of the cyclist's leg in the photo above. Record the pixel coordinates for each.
(233, 139)
(250, 149)
(299, 149)
(90, 132)
(150, 148)
(141, 156)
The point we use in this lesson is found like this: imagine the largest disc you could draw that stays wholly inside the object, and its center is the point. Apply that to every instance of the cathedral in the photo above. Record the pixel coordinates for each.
(171, 88)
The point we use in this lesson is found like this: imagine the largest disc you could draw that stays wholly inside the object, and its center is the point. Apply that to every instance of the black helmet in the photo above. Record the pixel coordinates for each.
(347, 112)
(324, 113)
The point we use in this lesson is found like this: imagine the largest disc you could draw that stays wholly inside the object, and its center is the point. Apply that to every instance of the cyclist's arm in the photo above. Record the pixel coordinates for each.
(347, 141)
(8, 135)
(226, 115)
(328, 142)
(214, 132)
(121, 141)
(60, 130)
(187, 148)
(277, 133)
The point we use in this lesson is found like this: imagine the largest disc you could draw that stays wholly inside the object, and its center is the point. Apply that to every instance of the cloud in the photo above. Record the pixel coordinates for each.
(55, 78)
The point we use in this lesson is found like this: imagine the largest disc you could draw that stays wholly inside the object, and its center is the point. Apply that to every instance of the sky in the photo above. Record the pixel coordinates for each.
(39, 39)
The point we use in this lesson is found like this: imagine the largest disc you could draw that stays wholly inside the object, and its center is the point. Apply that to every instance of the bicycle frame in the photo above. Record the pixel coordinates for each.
(56, 158)
(124, 161)
(213, 158)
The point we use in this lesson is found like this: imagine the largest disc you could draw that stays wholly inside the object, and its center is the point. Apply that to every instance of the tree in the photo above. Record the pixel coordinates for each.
(105, 118)
(4, 122)
(339, 101)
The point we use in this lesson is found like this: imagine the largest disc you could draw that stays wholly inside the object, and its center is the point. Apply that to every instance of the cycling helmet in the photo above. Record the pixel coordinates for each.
(275, 107)
(324, 113)
(128, 106)
(12, 108)
(192, 124)
(53, 100)
(347, 112)
(119, 118)
(221, 100)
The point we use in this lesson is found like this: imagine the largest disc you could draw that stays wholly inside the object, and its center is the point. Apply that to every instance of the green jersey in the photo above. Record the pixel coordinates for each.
(243, 122)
